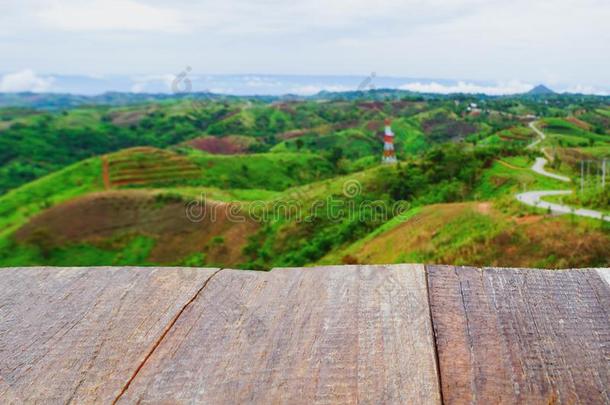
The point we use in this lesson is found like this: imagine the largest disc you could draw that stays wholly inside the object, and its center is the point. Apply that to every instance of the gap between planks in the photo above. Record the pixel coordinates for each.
(437, 360)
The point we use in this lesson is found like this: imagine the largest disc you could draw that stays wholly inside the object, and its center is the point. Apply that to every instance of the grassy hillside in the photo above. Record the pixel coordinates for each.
(20, 204)
(479, 234)
(130, 227)
(510, 175)
(270, 171)
(567, 133)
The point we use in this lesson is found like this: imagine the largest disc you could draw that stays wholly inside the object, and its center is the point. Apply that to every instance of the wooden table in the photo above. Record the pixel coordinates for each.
(400, 334)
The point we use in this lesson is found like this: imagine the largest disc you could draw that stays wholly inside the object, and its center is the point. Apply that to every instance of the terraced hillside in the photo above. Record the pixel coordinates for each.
(149, 167)
(518, 135)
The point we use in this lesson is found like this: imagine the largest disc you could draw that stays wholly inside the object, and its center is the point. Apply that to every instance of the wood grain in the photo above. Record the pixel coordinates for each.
(521, 336)
(343, 334)
(79, 334)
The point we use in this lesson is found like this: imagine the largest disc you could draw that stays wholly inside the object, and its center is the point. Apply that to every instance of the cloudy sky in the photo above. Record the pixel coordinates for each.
(562, 43)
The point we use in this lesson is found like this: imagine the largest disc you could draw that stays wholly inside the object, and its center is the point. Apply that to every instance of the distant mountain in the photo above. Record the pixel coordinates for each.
(60, 101)
(540, 90)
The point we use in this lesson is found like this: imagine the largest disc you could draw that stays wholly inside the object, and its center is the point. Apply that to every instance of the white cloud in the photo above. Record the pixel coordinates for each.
(108, 15)
(559, 42)
(586, 89)
(513, 87)
(308, 90)
(153, 83)
(25, 80)
(289, 17)
(260, 82)
(222, 90)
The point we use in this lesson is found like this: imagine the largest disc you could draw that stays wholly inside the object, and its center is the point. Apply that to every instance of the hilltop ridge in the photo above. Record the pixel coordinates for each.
(541, 90)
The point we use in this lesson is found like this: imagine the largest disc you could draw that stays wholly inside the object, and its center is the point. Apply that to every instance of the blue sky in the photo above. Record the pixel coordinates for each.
(510, 44)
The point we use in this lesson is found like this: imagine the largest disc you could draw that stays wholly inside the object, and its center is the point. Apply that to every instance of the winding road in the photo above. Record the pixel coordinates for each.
(539, 168)
(534, 198)
(541, 136)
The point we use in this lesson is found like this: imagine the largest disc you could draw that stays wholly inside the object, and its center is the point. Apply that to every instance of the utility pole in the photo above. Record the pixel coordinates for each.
(582, 176)
(604, 174)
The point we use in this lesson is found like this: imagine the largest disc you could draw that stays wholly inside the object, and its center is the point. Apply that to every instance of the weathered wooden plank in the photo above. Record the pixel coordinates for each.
(80, 334)
(521, 336)
(342, 334)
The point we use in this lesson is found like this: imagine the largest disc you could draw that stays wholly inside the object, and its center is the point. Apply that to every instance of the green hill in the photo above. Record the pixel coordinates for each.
(479, 234)
(22, 203)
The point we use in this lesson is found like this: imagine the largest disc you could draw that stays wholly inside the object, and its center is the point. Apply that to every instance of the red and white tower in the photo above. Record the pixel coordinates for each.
(389, 155)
